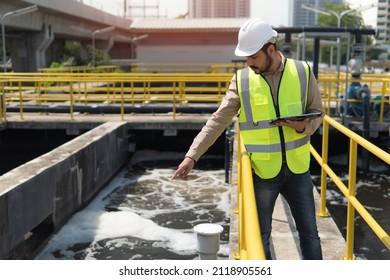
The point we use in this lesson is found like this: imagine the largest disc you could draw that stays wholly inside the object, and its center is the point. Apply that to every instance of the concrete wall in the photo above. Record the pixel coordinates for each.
(52, 187)
(186, 54)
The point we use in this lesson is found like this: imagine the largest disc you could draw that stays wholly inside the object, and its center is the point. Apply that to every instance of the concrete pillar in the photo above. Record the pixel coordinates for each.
(23, 59)
(45, 38)
(29, 50)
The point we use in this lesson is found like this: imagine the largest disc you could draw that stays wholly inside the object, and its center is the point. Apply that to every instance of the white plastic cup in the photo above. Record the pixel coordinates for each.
(208, 236)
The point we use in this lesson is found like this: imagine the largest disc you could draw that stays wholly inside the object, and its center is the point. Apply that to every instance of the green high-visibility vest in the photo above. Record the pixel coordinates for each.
(268, 145)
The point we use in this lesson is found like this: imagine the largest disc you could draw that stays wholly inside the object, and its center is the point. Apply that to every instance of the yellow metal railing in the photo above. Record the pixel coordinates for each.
(114, 88)
(378, 84)
(250, 246)
(154, 68)
(134, 88)
(350, 190)
(249, 240)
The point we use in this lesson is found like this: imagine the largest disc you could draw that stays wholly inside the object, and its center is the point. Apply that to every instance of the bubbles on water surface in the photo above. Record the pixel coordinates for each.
(142, 214)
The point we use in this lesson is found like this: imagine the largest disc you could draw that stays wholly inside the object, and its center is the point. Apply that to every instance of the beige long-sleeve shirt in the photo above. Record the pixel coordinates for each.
(230, 106)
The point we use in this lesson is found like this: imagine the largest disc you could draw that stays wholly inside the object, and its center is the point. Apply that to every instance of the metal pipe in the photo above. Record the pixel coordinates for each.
(316, 56)
(352, 30)
(48, 38)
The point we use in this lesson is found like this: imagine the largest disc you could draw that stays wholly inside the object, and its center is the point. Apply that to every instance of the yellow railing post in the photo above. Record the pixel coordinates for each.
(132, 93)
(325, 139)
(20, 100)
(382, 106)
(350, 191)
(350, 207)
(85, 93)
(181, 92)
(122, 103)
(174, 102)
(2, 102)
(71, 100)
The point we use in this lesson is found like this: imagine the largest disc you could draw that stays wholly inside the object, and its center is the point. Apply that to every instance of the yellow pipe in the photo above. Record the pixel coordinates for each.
(122, 103)
(20, 101)
(71, 101)
(325, 138)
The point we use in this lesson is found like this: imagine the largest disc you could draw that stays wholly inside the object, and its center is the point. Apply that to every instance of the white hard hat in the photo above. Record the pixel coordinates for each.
(253, 35)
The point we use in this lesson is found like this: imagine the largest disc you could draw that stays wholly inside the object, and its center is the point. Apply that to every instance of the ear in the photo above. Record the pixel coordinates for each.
(271, 49)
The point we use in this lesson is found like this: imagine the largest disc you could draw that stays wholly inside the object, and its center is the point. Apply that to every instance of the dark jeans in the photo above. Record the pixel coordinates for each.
(298, 192)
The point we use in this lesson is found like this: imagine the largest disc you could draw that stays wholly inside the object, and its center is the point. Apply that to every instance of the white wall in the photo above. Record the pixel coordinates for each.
(186, 54)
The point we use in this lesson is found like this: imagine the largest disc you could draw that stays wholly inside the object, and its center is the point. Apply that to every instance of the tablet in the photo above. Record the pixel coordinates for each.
(297, 117)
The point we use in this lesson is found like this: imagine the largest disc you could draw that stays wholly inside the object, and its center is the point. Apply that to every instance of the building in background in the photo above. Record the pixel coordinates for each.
(383, 22)
(302, 17)
(193, 40)
(219, 8)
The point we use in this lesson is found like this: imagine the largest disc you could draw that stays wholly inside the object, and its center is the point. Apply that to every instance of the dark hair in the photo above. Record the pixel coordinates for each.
(267, 45)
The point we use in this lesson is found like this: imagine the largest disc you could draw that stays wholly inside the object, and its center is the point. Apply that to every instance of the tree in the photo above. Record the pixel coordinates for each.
(348, 20)
(353, 20)
(101, 56)
(72, 52)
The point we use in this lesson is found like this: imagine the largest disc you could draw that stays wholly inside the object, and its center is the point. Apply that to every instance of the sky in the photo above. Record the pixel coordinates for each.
(276, 12)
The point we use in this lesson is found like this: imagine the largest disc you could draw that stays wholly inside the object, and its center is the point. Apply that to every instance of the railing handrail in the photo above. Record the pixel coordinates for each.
(154, 67)
(349, 192)
(118, 88)
(250, 246)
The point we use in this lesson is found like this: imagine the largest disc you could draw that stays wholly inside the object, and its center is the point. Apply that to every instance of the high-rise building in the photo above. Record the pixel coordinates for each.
(383, 22)
(302, 17)
(219, 8)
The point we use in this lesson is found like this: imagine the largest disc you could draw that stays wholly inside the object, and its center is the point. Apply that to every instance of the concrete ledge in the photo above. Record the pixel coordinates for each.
(50, 188)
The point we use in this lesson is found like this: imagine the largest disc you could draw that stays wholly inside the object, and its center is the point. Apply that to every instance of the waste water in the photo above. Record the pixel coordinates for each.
(143, 214)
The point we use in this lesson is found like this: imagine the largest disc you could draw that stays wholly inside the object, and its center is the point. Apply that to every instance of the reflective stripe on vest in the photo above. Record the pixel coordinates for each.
(250, 124)
(276, 147)
(263, 140)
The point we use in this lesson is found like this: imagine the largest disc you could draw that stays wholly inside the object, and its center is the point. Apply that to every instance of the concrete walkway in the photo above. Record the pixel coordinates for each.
(284, 237)
(285, 242)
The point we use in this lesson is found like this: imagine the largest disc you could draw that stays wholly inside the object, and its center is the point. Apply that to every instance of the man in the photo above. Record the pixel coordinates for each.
(271, 86)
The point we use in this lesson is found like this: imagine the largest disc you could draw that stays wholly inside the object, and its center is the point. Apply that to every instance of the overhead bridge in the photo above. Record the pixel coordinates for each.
(35, 38)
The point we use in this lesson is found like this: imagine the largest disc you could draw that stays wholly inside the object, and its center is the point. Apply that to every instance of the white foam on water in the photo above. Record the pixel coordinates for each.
(94, 223)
